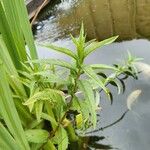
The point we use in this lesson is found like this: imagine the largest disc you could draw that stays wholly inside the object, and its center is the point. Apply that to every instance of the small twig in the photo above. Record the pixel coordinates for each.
(38, 11)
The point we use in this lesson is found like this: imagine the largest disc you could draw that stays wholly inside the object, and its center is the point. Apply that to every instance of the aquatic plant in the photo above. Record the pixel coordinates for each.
(46, 104)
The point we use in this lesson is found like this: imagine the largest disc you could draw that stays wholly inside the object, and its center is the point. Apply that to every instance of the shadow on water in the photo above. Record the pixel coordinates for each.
(117, 129)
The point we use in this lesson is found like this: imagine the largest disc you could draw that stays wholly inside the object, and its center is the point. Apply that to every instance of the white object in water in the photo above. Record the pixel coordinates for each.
(133, 97)
(145, 68)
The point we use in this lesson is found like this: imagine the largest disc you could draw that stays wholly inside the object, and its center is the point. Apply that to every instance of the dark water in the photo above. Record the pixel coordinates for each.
(131, 132)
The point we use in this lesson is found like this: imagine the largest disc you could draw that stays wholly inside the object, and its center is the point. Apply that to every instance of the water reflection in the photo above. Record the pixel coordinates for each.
(102, 18)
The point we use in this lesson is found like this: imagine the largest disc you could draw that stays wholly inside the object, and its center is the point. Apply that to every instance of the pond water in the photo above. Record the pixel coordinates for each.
(131, 132)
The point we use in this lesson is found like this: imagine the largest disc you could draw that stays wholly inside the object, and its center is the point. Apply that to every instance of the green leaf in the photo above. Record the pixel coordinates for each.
(89, 42)
(38, 110)
(37, 135)
(11, 33)
(10, 69)
(53, 78)
(18, 30)
(6, 140)
(62, 50)
(87, 90)
(26, 27)
(47, 94)
(103, 66)
(49, 118)
(61, 138)
(82, 106)
(114, 82)
(49, 146)
(57, 62)
(81, 44)
(9, 112)
(90, 72)
(94, 45)
(74, 40)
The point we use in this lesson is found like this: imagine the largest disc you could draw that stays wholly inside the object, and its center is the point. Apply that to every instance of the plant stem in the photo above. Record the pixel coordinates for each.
(52, 134)
(71, 133)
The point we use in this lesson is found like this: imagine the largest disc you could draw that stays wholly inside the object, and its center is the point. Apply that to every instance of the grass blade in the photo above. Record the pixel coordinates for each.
(9, 112)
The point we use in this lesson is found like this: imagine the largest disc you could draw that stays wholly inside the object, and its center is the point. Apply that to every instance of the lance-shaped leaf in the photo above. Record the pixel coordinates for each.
(57, 62)
(114, 82)
(90, 72)
(49, 118)
(94, 45)
(87, 90)
(103, 66)
(62, 50)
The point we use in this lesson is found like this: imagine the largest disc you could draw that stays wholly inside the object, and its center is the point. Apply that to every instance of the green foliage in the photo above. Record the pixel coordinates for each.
(82, 84)
(6, 140)
(16, 31)
(43, 103)
(9, 112)
(37, 135)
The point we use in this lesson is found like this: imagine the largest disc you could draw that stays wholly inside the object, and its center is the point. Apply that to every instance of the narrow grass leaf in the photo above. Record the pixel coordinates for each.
(6, 140)
(9, 111)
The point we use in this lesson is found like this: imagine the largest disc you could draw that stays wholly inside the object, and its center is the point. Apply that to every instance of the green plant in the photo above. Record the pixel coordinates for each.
(67, 94)
(45, 103)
